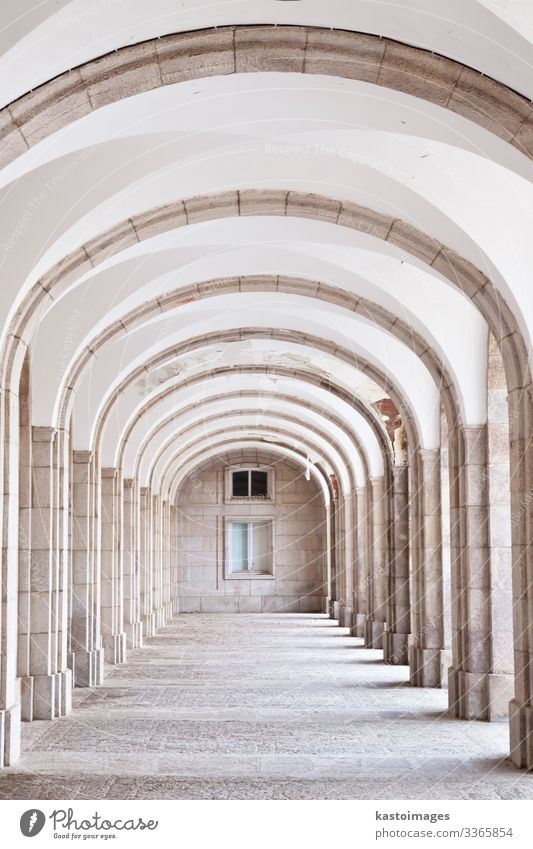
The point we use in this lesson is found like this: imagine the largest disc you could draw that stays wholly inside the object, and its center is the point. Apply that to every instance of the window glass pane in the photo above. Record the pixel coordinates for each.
(239, 546)
(240, 484)
(259, 483)
(261, 546)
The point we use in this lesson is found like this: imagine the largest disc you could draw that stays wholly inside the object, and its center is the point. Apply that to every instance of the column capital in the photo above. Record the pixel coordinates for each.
(82, 456)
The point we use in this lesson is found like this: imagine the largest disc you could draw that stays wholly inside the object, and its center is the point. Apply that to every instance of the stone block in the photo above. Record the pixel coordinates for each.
(111, 243)
(263, 202)
(266, 48)
(341, 54)
(219, 604)
(207, 207)
(121, 74)
(489, 104)
(12, 142)
(191, 56)
(161, 220)
(249, 604)
(51, 107)
(465, 276)
(418, 72)
(365, 220)
(414, 241)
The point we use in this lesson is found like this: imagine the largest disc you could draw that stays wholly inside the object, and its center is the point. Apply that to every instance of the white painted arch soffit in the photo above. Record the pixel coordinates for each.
(447, 321)
(166, 436)
(41, 40)
(447, 191)
(165, 431)
(171, 402)
(308, 445)
(199, 454)
(402, 370)
(270, 358)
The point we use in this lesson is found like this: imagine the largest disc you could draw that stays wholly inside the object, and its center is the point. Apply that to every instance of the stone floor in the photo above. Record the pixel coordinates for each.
(255, 707)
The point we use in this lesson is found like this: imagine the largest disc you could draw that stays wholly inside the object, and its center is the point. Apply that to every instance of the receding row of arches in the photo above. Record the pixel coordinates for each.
(289, 271)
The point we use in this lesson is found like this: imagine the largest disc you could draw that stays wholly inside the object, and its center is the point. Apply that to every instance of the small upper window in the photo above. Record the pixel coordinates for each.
(249, 483)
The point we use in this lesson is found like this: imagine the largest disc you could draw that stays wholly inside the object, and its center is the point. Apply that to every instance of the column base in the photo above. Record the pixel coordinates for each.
(88, 668)
(396, 648)
(115, 648)
(134, 635)
(478, 695)
(521, 733)
(10, 729)
(26, 699)
(149, 625)
(373, 634)
(336, 610)
(160, 617)
(52, 695)
(329, 608)
(358, 629)
(346, 617)
(425, 667)
(169, 613)
(175, 606)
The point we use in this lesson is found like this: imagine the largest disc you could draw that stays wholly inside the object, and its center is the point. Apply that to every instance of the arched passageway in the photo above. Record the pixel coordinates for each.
(266, 330)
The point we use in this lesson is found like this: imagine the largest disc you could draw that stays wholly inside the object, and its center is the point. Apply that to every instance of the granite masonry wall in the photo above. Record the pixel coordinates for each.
(299, 571)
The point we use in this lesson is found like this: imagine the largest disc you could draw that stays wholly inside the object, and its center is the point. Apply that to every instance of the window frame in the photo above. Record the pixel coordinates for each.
(229, 498)
(248, 575)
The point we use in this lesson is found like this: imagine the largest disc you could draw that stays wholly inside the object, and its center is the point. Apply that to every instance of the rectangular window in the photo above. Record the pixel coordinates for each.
(250, 547)
(249, 483)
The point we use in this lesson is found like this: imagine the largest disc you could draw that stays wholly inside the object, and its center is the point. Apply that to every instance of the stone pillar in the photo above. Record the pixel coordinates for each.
(130, 566)
(521, 706)
(12, 474)
(427, 641)
(52, 681)
(330, 558)
(113, 635)
(396, 638)
(86, 641)
(362, 568)
(374, 626)
(476, 690)
(174, 549)
(349, 507)
(145, 551)
(23, 654)
(167, 548)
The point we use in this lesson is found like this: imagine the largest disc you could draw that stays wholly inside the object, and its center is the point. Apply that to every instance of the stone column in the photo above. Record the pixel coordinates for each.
(521, 706)
(174, 549)
(145, 550)
(86, 640)
(476, 691)
(12, 474)
(23, 654)
(362, 568)
(330, 557)
(396, 638)
(113, 635)
(377, 592)
(167, 546)
(130, 565)
(340, 560)
(52, 681)
(157, 566)
(427, 641)
(350, 547)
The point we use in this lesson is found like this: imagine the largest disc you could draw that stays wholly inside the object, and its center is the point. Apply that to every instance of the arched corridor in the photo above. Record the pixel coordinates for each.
(266, 399)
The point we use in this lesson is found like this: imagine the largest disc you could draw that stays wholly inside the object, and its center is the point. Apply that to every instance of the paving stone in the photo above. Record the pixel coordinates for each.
(261, 706)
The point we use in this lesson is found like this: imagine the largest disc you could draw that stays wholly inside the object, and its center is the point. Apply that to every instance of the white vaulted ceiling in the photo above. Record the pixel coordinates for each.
(309, 310)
